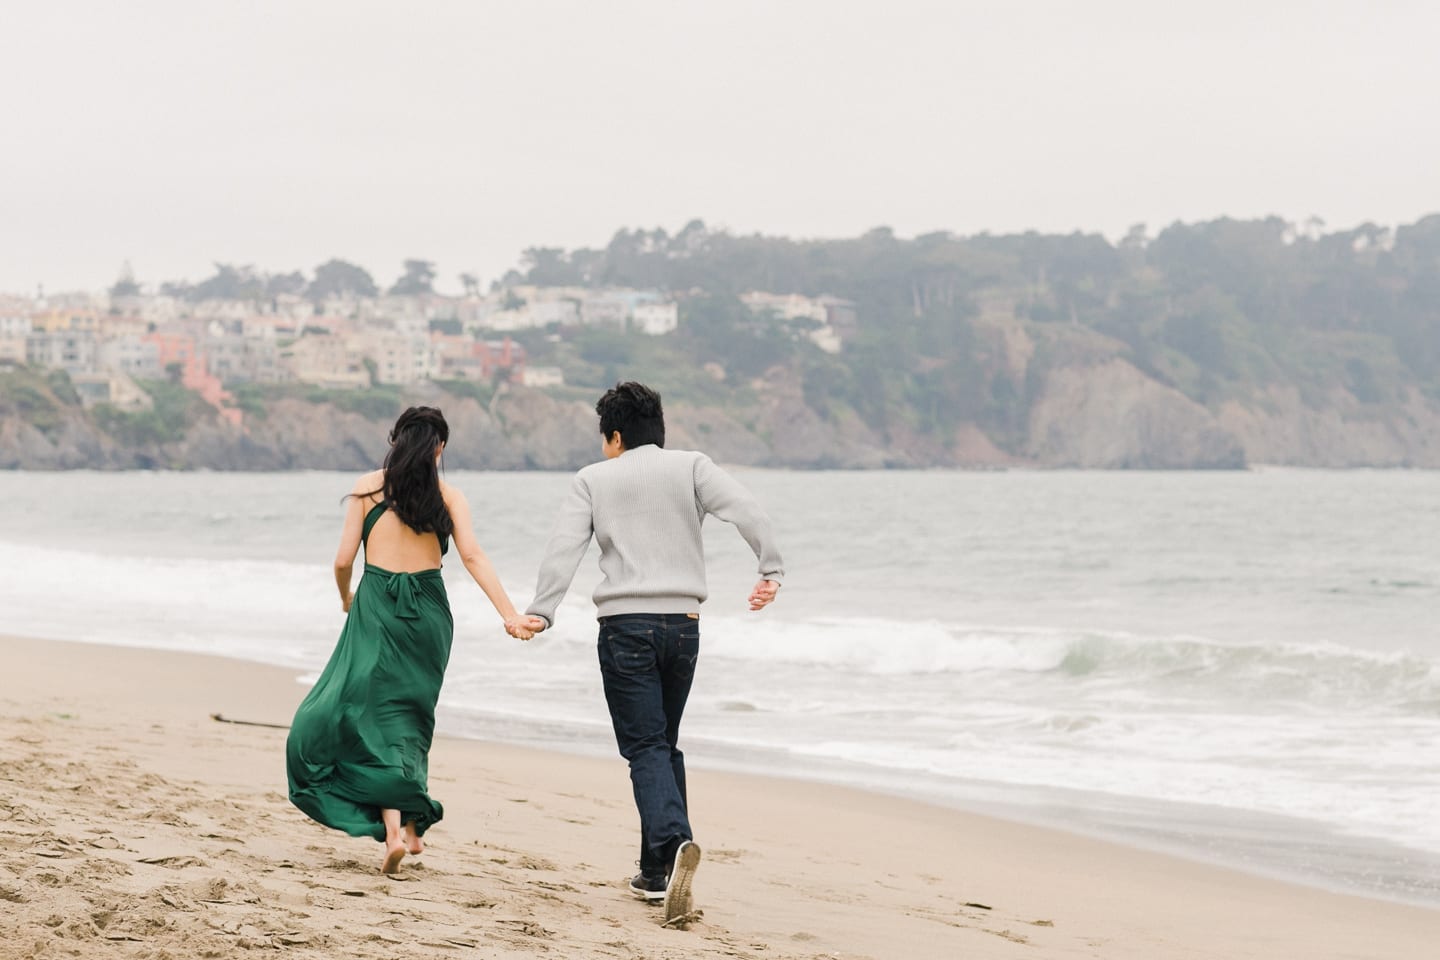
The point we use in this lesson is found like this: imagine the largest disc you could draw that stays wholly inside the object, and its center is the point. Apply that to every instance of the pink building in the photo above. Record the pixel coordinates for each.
(179, 348)
(462, 358)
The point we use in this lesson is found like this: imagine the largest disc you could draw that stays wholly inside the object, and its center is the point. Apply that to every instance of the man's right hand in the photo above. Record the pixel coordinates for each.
(523, 628)
(764, 594)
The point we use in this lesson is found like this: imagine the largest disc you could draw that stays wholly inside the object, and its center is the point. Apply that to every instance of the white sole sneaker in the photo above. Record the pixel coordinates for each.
(649, 896)
(678, 901)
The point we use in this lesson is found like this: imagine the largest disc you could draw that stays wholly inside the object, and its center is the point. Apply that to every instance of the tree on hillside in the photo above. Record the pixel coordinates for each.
(548, 267)
(125, 285)
(285, 283)
(1414, 322)
(418, 279)
(230, 283)
(337, 278)
(470, 284)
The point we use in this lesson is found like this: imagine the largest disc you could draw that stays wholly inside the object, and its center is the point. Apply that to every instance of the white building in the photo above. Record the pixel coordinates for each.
(328, 361)
(68, 350)
(397, 309)
(121, 326)
(655, 319)
(474, 313)
(400, 358)
(784, 306)
(263, 328)
(441, 307)
(346, 305)
(566, 313)
(115, 389)
(162, 310)
(822, 320)
(15, 325)
(240, 359)
(543, 377)
(131, 355)
(506, 320)
(608, 308)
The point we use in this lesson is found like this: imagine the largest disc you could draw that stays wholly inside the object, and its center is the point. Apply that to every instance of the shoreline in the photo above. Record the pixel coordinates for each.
(125, 794)
(1266, 846)
(1334, 862)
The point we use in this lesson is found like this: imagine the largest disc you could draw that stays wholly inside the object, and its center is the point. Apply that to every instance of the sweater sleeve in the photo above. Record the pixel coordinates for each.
(564, 551)
(722, 495)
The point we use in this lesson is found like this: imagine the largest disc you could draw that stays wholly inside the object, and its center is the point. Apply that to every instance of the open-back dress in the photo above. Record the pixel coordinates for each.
(360, 741)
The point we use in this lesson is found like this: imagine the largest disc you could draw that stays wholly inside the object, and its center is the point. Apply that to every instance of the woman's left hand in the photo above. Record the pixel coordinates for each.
(345, 602)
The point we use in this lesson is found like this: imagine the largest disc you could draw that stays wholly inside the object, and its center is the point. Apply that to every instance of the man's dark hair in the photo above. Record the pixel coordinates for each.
(633, 409)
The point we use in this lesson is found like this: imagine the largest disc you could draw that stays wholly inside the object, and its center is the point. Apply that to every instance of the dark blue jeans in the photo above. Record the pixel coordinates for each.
(647, 661)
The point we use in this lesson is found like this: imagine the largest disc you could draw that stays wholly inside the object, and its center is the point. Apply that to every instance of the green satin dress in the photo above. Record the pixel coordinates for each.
(360, 740)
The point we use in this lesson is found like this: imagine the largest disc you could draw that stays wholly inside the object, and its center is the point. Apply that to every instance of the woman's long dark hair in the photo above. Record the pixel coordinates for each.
(412, 478)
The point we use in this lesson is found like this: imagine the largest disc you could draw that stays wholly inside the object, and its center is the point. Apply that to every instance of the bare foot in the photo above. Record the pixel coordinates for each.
(411, 839)
(394, 853)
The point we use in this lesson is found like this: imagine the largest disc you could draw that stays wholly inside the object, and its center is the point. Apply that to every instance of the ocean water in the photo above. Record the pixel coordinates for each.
(1240, 667)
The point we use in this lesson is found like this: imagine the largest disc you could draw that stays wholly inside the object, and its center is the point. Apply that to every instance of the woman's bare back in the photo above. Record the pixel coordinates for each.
(392, 545)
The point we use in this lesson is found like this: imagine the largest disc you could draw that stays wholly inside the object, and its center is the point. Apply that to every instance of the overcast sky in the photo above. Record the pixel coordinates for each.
(174, 133)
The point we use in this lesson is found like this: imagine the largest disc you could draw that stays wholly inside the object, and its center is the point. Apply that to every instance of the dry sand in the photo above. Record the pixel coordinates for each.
(136, 826)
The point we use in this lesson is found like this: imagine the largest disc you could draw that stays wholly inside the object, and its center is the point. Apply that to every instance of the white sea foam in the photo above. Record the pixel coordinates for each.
(1323, 674)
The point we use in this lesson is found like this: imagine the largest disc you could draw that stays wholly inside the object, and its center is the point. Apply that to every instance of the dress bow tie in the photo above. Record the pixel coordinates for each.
(401, 586)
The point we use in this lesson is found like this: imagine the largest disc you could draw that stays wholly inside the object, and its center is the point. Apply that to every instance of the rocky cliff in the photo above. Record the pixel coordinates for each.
(1095, 410)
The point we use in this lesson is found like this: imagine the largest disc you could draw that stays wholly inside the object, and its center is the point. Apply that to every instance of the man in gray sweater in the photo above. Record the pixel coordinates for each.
(645, 504)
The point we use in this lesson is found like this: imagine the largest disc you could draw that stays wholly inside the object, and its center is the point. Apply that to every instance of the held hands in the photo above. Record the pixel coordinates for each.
(763, 595)
(522, 627)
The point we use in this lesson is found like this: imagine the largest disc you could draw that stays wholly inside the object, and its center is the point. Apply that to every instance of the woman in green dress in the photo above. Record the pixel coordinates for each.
(358, 752)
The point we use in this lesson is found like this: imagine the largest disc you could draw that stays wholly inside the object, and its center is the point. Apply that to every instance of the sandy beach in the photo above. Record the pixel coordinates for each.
(137, 826)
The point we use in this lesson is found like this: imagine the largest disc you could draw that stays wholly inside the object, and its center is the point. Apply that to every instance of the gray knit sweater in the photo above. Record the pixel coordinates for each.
(645, 508)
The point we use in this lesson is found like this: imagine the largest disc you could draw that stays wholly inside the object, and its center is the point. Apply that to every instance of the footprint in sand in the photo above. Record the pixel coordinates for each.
(166, 817)
(724, 856)
(528, 862)
(350, 866)
(176, 862)
(105, 870)
(222, 838)
(221, 890)
(19, 813)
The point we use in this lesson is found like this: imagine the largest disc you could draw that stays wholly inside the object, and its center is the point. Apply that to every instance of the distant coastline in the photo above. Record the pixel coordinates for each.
(1206, 346)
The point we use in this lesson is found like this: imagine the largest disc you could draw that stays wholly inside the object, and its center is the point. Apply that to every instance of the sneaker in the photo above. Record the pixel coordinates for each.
(649, 887)
(678, 902)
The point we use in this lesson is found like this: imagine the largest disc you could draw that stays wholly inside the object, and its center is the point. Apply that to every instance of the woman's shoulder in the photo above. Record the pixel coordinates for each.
(372, 482)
